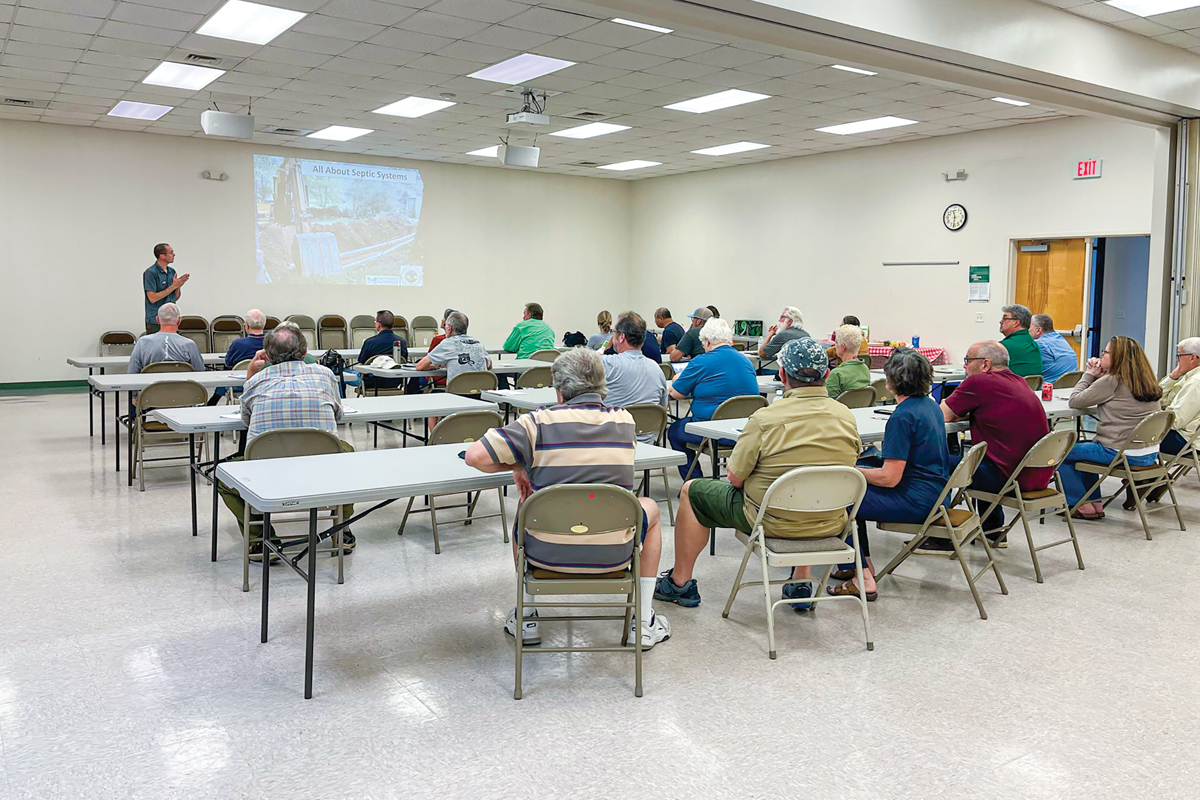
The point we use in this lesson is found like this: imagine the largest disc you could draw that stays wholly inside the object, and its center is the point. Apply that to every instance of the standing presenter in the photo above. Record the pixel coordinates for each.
(161, 284)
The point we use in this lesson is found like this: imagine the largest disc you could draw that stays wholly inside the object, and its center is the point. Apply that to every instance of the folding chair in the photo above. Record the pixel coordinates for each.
(331, 332)
(198, 330)
(598, 529)
(167, 366)
(362, 327)
(1034, 382)
(289, 443)
(271, 324)
(399, 327)
(472, 383)
(307, 326)
(805, 490)
(464, 426)
(1139, 480)
(652, 418)
(1186, 459)
(1067, 380)
(883, 395)
(225, 329)
(148, 433)
(424, 328)
(117, 343)
(858, 398)
(536, 378)
(548, 354)
(960, 525)
(733, 408)
(1047, 453)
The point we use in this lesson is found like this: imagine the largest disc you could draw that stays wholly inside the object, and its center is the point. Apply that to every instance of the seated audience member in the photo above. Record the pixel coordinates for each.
(1024, 357)
(457, 352)
(1181, 394)
(650, 348)
(530, 334)
(672, 331)
(1058, 357)
(602, 451)
(166, 345)
(282, 391)
(630, 377)
(716, 314)
(244, 348)
(805, 427)
(1006, 416)
(435, 341)
(789, 327)
(711, 378)
(382, 344)
(904, 484)
(864, 351)
(599, 341)
(1122, 385)
(689, 345)
(850, 372)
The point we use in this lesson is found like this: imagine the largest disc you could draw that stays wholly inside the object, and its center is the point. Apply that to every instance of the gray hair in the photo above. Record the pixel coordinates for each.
(849, 338)
(1191, 345)
(169, 314)
(716, 331)
(994, 352)
(457, 322)
(579, 371)
(1020, 314)
(909, 373)
(1043, 322)
(793, 313)
(255, 320)
(285, 342)
(447, 313)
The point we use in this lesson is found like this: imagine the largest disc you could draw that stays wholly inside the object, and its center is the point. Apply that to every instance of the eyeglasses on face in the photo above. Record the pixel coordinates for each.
(969, 359)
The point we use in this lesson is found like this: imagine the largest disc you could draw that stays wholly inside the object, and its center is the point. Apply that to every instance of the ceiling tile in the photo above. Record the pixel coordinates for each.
(410, 40)
(546, 20)
(627, 59)
(322, 25)
(71, 23)
(157, 17)
(86, 8)
(512, 38)
(673, 46)
(726, 57)
(482, 10)
(614, 35)
(683, 70)
(443, 25)
(310, 43)
(141, 33)
(25, 33)
(367, 11)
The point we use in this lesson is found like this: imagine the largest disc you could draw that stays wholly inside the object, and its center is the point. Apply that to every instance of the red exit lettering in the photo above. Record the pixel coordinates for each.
(1088, 169)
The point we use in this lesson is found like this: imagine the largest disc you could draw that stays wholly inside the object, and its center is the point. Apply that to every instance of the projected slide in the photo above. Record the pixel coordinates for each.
(335, 223)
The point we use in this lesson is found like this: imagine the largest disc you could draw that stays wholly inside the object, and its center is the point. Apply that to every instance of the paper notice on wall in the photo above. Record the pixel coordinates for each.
(979, 286)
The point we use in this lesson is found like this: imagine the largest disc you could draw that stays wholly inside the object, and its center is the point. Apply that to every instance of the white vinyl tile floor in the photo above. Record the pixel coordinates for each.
(130, 665)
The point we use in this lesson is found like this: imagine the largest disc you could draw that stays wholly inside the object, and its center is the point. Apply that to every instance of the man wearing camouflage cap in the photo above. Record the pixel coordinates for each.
(805, 427)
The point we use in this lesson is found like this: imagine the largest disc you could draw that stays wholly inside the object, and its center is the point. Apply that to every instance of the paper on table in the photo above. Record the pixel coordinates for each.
(509, 392)
(348, 410)
(231, 416)
(237, 374)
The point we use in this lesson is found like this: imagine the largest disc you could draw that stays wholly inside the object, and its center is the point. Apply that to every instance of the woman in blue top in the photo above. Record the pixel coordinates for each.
(904, 484)
(710, 379)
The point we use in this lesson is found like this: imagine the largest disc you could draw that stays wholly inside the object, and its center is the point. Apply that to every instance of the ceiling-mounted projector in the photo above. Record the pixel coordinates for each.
(226, 125)
(512, 155)
(526, 118)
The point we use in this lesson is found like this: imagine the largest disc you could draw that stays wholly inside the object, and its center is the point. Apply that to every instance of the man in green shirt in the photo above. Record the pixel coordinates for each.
(1024, 357)
(532, 334)
(850, 373)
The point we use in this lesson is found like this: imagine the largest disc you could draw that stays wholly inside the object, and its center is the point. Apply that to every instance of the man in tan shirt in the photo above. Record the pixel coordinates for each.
(805, 427)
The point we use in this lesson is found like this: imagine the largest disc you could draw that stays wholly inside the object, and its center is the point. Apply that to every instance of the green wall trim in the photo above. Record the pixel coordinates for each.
(43, 387)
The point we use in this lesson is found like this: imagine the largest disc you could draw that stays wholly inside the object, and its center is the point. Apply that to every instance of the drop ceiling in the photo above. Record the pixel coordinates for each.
(73, 60)
(1178, 28)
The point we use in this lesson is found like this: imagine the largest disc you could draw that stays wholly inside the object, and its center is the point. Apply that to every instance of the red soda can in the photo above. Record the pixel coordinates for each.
(1047, 391)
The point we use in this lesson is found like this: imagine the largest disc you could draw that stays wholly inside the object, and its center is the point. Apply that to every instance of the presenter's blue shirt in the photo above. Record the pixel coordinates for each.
(155, 280)
(713, 377)
(916, 435)
(1058, 357)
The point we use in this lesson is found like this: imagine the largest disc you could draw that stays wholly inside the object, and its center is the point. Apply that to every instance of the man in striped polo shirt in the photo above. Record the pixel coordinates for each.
(578, 440)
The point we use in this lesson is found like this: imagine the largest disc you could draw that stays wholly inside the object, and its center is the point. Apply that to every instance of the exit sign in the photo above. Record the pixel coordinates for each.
(1088, 169)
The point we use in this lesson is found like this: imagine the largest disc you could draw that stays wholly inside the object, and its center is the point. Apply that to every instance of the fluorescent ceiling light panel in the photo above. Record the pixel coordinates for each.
(413, 107)
(340, 133)
(182, 76)
(486, 152)
(643, 25)
(1010, 102)
(624, 165)
(713, 102)
(1147, 8)
(249, 22)
(590, 130)
(519, 69)
(866, 125)
(727, 149)
(853, 69)
(132, 110)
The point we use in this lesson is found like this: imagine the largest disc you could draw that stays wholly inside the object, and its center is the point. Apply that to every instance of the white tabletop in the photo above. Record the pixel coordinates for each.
(207, 419)
(209, 379)
(524, 399)
(370, 476)
(517, 365)
(210, 359)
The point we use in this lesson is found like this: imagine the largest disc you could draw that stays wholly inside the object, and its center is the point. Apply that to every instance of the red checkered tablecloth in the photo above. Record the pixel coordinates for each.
(879, 354)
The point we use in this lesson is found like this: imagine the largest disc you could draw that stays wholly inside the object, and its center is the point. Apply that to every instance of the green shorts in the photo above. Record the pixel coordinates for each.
(717, 504)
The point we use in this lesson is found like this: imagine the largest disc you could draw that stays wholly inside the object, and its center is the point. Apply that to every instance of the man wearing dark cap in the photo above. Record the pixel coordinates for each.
(805, 427)
(689, 346)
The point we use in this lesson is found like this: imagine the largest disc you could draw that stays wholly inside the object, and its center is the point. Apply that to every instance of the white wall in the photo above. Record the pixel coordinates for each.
(813, 232)
(81, 209)
(1123, 305)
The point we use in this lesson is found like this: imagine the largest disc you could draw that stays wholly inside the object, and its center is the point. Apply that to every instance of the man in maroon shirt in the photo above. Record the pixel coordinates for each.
(1007, 415)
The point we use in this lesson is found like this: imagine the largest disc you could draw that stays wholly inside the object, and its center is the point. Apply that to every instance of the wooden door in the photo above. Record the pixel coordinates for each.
(1051, 281)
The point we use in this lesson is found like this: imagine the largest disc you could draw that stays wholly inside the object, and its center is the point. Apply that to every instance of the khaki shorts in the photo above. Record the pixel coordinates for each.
(717, 504)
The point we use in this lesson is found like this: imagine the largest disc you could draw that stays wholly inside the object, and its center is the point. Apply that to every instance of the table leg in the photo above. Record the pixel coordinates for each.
(117, 428)
(213, 477)
(129, 441)
(712, 532)
(103, 421)
(91, 407)
(266, 573)
(192, 478)
(312, 602)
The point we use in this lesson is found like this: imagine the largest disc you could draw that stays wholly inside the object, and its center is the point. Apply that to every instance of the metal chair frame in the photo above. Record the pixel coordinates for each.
(424, 328)
(1034, 382)
(535, 378)
(149, 434)
(730, 408)
(222, 336)
(548, 354)
(1068, 380)
(332, 325)
(362, 324)
(863, 397)
(642, 414)
(198, 329)
(883, 395)
(307, 326)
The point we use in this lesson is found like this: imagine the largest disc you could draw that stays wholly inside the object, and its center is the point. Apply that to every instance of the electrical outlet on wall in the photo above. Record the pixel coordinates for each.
(1120, 313)
(979, 317)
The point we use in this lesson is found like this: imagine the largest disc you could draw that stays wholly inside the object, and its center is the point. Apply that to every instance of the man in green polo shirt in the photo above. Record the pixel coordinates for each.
(1024, 357)
(160, 284)
(532, 334)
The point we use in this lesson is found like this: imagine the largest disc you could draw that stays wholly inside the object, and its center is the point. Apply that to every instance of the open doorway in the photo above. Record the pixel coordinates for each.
(1119, 276)
(1051, 278)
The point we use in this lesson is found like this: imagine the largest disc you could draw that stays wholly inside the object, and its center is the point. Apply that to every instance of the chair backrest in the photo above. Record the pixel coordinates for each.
(197, 329)
(423, 328)
(307, 326)
(858, 398)
(1151, 430)
(536, 378)
(584, 528)
(331, 332)
(464, 426)
(242, 365)
(167, 366)
(272, 323)
(816, 489)
(1068, 380)
(668, 371)
(226, 329)
(473, 382)
(1034, 382)
(882, 393)
(424, 321)
(962, 474)
(648, 418)
(741, 406)
(402, 329)
(290, 442)
(739, 346)
(171, 394)
(549, 354)
(117, 343)
(1047, 452)
(362, 327)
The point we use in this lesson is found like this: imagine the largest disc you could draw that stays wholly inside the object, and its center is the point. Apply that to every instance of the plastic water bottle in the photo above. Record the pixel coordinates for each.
(916, 341)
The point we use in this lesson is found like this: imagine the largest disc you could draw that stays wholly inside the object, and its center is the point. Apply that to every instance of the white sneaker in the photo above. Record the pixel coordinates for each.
(529, 629)
(659, 630)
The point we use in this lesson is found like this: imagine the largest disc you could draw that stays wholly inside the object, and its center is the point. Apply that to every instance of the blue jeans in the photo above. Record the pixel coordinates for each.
(679, 438)
(988, 478)
(1078, 485)
(1172, 443)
